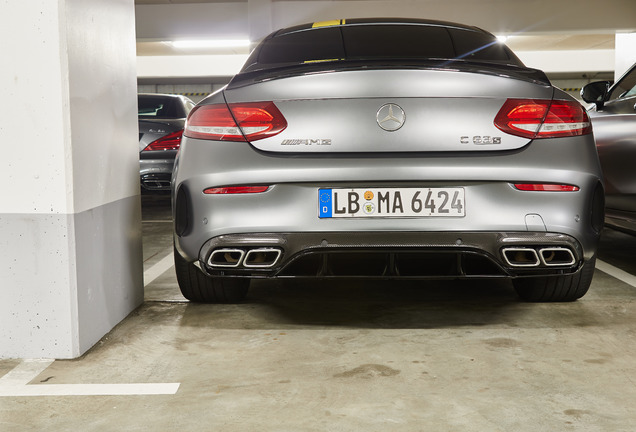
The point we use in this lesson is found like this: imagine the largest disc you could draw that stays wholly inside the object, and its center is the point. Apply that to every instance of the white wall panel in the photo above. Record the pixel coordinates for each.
(569, 61)
(103, 102)
(189, 66)
(34, 132)
(625, 52)
(201, 20)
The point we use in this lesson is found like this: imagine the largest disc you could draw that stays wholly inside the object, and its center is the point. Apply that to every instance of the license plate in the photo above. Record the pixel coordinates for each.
(391, 202)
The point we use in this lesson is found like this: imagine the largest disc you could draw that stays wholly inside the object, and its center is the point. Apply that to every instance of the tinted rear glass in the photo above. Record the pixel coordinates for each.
(303, 46)
(471, 45)
(159, 107)
(411, 41)
(379, 41)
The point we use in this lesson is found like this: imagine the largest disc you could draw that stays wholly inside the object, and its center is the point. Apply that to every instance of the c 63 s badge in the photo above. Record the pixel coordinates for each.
(306, 142)
(480, 140)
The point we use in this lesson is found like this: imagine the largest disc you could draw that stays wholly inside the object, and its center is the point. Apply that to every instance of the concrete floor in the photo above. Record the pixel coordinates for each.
(427, 356)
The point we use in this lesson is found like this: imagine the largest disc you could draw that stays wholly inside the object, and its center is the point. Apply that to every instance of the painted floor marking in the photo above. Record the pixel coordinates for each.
(158, 269)
(24, 372)
(15, 383)
(616, 273)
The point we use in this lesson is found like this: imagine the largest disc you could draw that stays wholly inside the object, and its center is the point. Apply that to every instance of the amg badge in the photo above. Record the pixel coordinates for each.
(306, 142)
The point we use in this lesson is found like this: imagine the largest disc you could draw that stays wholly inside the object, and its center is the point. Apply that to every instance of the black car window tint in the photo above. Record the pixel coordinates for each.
(397, 42)
(303, 46)
(158, 107)
(383, 41)
(148, 107)
(474, 45)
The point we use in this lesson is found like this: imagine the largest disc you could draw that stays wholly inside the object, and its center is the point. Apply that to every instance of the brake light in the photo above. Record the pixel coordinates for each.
(532, 118)
(546, 187)
(235, 190)
(168, 142)
(249, 121)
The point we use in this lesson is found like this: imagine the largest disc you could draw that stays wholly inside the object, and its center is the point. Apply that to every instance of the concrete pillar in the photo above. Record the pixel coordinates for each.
(625, 53)
(70, 232)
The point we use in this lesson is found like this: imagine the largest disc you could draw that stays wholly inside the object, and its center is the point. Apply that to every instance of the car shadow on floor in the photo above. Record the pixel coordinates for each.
(387, 305)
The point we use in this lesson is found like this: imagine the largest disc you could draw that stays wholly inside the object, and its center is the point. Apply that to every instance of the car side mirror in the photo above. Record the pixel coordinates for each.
(596, 93)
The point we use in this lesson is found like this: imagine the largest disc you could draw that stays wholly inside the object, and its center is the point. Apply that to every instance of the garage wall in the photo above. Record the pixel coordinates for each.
(70, 219)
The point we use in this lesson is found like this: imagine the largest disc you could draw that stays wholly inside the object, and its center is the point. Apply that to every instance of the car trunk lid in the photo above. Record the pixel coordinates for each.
(390, 110)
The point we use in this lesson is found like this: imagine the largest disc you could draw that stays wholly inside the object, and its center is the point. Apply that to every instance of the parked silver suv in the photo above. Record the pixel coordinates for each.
(387, 149)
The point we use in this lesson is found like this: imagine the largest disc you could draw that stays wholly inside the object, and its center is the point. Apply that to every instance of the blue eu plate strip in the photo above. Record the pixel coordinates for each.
(324, 203)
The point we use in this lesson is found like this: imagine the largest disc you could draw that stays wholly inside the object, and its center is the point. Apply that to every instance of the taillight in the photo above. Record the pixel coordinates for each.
(168, 142)
(249, 121)
(532, 118)
(546, 187)
(229, 190)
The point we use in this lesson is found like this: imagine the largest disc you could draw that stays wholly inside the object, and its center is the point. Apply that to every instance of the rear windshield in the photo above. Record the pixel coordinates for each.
(379, 41)
(160, 107)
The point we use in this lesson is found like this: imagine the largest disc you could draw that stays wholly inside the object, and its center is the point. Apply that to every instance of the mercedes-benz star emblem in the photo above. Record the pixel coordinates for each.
(390, 117)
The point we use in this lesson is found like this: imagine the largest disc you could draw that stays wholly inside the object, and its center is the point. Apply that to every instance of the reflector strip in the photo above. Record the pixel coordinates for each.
(546, 187)
(235, 190)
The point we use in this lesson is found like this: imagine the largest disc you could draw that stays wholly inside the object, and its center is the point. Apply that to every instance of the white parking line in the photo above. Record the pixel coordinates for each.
(90, 390)
(15, 383)
(617, 273)
(158, 269)
(24, 372)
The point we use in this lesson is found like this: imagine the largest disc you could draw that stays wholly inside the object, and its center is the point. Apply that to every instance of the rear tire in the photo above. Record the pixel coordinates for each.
(556, 288)
(200, 288)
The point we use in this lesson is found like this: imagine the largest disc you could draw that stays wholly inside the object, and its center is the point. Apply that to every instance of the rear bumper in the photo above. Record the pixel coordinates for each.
(495, 210)
(404, 255)
(156, 174)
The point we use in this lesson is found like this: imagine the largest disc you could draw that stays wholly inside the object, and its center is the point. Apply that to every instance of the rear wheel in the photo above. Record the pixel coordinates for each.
(200, 288)
(556, 288)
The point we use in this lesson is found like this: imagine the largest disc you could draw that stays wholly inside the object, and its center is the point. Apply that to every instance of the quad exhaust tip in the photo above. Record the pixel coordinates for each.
(262, 258)
(557, 256)
(521, 257)
(529, 257)
(227, 258)
(238, 258)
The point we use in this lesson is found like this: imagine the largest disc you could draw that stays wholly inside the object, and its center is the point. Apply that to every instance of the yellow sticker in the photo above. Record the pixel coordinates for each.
(368, 195)
(318, 61)
(328, 23)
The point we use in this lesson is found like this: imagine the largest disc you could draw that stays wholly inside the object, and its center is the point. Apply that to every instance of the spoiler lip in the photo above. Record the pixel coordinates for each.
(245, 78)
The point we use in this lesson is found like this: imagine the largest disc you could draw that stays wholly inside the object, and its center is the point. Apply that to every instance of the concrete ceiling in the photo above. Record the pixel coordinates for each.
(582, 28)
(596, 32)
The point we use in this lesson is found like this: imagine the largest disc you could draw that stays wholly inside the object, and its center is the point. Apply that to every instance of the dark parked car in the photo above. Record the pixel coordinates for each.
(161, 122)
(614, 122)
(387, 149)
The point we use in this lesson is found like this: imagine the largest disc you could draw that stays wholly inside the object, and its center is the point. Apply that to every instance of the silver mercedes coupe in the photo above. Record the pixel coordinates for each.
(386, 149)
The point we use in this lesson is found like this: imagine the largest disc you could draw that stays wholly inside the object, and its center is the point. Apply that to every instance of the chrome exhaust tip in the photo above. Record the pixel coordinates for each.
(557, 256)
(262, 258)
(521, 257)
(226, 258)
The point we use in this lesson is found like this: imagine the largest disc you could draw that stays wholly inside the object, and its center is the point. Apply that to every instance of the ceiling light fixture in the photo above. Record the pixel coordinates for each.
(211, 43)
